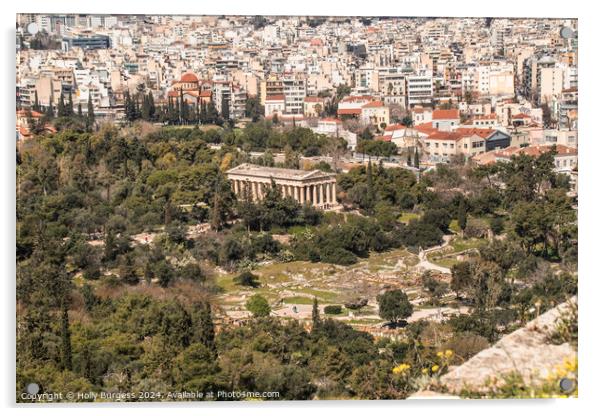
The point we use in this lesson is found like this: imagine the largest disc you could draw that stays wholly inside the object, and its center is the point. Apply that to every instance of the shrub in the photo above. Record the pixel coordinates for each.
(258, 306)
(356, 303)
(247, 278)
(332, 309)
(497, 225)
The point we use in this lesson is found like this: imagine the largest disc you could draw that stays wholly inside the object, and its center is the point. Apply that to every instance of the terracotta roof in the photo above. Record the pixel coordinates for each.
(536, 150)
(349, 111)
(466, 131)
(279, 97)
(189, 77)
(445, 135)
(374, 104)
(394, 127)
(34, 114)
(521, 116)
(426, 128)
(313, 99)
(446, 114)
(353, 98)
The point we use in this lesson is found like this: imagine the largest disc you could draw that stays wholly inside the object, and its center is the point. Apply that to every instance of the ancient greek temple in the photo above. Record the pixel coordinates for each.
(314, 187)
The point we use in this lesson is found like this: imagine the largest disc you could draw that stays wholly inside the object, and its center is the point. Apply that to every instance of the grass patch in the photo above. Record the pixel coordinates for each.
(453, 226)
(461, 244)
(320, 294)
(298, 300)
(407, 216)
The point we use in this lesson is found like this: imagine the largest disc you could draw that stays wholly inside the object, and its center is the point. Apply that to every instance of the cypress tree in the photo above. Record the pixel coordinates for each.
(145, 112)
(151, 106)
(90, 115)
(207, 329)
(462, 214)
(409, 161)
(417, 159)
(36, 102)
(61, 107)
(203, 115)
(79, 109)
(67, 362)
(315, 314)
(370, 184)
(69, 109)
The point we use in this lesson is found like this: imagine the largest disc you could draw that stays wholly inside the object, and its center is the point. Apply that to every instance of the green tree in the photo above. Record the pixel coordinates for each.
(417, 159)
(461, 277)
(258, 306)
(247, 278)
(66, 357)
(462, 214)
(206, 328)
(394, 305)
(61, 110)
(90, 119)
(315, 313)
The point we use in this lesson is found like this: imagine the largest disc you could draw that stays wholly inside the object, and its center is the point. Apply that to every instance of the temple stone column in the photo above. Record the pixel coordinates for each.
(259, 190)
(314, 199)
(327, 186)
(235, 187)
(321, 193)
(302, 194)
(334, 193)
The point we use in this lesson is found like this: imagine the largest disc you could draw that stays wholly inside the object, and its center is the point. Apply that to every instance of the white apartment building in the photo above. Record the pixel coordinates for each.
(419, 89)
(294, 89)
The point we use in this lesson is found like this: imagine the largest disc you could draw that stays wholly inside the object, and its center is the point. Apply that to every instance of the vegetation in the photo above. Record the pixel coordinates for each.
(122, 235)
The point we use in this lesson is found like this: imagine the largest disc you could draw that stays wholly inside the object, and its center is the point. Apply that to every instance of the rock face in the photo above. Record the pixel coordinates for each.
(526, 351)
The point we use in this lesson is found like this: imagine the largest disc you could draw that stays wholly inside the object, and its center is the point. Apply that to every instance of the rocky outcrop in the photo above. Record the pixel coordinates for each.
(526, 351)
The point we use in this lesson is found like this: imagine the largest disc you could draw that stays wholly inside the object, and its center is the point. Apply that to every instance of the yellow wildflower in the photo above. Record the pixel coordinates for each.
(401, 368)
(435, 368)
(440, 354)
(449, 353)
(425, 371)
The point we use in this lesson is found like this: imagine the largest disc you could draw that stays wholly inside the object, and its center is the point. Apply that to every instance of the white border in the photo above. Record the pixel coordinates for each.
(590, 188)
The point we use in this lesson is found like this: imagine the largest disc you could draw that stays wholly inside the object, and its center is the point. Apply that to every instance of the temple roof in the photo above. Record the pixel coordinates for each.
(278, 173)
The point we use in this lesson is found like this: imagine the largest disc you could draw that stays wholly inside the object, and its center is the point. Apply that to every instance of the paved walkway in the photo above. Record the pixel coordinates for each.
(426, 264)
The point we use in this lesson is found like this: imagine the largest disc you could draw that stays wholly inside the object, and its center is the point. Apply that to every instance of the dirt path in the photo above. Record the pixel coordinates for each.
(425, 264)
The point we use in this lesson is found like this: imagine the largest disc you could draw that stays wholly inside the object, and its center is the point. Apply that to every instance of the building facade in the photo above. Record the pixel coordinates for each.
(315, 187)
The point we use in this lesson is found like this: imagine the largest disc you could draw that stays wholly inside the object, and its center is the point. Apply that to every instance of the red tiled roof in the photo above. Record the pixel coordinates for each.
(349, 111)
(521, 116)
(446, 114)
(374, 104)
(468, 131)
(536, 150)
(313, 99)
(425, 128)
(445, 135)
(189, 77)
(279, 97)
(353, 98)
(394, 127)
(23, 113)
